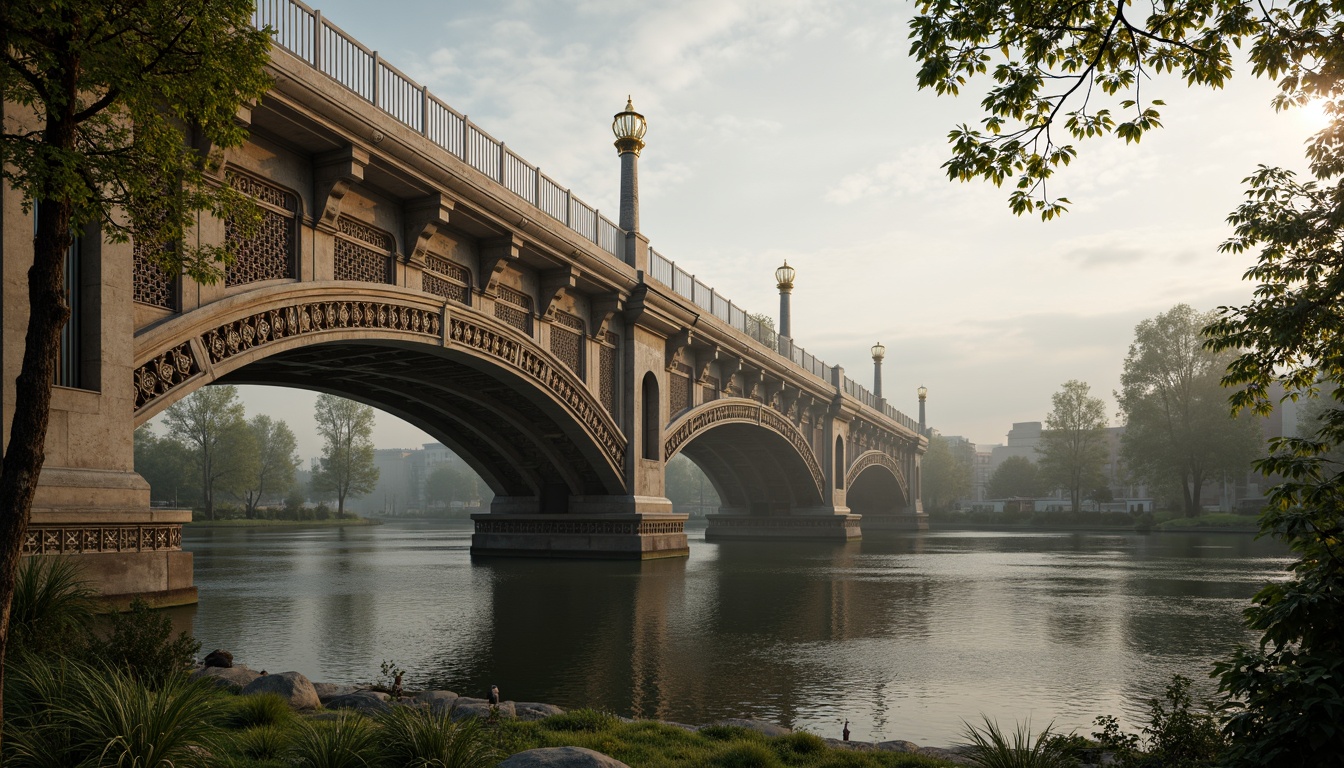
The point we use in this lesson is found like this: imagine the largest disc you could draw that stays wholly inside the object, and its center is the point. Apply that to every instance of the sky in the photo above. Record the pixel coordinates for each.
(793, 129)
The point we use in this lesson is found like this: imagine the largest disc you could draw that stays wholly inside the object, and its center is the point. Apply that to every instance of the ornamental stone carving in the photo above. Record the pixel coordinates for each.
(737, 410)
(164, 373)
(69, 540)
(580, 527)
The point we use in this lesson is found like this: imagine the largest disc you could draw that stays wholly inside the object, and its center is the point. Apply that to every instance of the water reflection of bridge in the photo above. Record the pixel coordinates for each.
(410, 261)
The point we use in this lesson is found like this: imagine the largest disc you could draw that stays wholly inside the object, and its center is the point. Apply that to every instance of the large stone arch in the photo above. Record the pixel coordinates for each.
(876, 485)
(525, 422)
(756, 458)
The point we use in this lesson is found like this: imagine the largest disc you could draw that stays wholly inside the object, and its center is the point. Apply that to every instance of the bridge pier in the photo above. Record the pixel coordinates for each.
(602, 527)
(824, 526)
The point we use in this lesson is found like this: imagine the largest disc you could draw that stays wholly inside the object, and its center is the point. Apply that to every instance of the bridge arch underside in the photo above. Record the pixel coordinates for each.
(874, 492)
(755, 470)
(524, 445)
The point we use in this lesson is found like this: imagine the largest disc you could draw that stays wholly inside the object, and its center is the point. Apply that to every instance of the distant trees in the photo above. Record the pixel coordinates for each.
(688, 487)
(221, 448)
(1017, 476)
(1073, 445)
(165, 464)
(276, 459)
(447, 483)
(946, 470)
(1179, 429)
(346, 468)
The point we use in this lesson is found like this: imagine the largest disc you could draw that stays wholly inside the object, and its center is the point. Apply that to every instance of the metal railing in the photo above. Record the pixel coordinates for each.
(302, 31)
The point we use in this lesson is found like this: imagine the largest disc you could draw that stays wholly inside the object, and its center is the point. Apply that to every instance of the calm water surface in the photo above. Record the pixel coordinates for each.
(905, 635)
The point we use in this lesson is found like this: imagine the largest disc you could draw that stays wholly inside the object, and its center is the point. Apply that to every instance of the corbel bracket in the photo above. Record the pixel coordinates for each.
(676, 345)
(752, 381)
(554, 282)
(707, 357)
(425, 218)
(729, 366)
(604, 307)
(334, 173)
(496, 254)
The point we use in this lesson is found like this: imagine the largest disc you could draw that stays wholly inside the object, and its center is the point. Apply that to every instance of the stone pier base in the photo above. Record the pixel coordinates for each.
(815, 527)
(610, 537)
(914, 521)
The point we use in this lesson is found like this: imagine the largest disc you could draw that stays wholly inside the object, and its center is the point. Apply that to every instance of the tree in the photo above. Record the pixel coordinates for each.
(222, 449)
(277, 458)
(1073, 447)
(1284, 702)
(946, 470)
(347, 467)
(1178, 428)
(102, 100)
(165, 464)
(1017, 476)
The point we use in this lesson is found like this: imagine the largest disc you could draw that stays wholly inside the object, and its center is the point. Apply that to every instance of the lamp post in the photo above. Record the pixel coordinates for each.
(923, 393)
(784, 277)
(879, 352)
(629, 127)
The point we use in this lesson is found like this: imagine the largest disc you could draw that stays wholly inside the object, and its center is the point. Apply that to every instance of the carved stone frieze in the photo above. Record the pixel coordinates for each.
(580, 527)
(708, 416)
(80, 539)
(551, 377)
(163, 373)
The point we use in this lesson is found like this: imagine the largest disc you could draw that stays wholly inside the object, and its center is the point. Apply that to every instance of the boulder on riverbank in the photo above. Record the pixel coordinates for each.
(535, 710)
(369, 703)
(218, 658)
(561, 757)
(437, 701)
(328, 691)
(291, 686)
(233, 679)
(465, 706)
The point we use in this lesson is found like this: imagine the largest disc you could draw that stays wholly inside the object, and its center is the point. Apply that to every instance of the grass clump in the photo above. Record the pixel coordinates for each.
(419, 738)
(582, 720)
(349, 741)
(994, 748)
(264, 742)
(52, 608)
(748, 754)
(259, 709)
(730, 733)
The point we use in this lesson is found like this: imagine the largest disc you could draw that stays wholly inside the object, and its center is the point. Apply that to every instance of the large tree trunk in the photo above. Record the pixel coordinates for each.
(1196, 494)
(1190, 505)
(26, 451)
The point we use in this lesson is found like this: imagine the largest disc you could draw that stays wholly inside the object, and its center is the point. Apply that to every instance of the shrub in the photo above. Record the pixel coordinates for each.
(1178, 736)
(747, 755)
(349, 741)
(71, 714)
(728, 733)
(142, 645)
(586, 720)
(801, 743)
(992, 748)
(419, 738)
(52, 608)
(259, 709)
(265, 742)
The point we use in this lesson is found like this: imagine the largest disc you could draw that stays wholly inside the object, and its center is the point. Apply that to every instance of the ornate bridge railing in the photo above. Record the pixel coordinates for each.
(303, 31)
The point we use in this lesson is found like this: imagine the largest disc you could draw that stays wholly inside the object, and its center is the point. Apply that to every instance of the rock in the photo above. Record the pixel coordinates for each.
(950, 755)
(292, 686)
(219, 658)
(852, 746)
(437, 701)
(682, 726)
(561, 757)
(898, 746)
(533, 710)
(465, 706)
(327, 691)
(365, 702)
(759, 726)
(233, 679)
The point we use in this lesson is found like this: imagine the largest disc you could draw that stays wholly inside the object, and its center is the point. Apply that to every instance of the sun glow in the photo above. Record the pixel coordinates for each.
(1313, 115)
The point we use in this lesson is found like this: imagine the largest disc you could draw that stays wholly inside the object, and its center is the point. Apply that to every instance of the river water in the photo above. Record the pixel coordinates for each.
(905, 635)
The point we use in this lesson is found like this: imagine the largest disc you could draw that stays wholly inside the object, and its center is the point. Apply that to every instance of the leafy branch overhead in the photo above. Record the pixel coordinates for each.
(1069, 70)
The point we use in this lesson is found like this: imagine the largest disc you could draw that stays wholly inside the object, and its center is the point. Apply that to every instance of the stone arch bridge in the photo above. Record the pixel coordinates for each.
(408, 260)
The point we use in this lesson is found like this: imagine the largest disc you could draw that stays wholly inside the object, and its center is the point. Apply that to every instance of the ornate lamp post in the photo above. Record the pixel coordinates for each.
(923, 393)
(629, 127)
(784, 277)
(879, 352)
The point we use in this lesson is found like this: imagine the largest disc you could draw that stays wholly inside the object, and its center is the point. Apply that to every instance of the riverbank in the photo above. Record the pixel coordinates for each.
(1213, 522)
(270, 523)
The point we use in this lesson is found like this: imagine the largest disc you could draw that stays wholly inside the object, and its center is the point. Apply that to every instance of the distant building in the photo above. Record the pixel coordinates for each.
(402, 473)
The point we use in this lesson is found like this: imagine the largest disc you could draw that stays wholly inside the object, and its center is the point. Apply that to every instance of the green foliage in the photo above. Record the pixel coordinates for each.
(141, 645)
(801, 743)
(349, 741)
(1179, 736)
(1016, 476)
(347, 467)
(419, 738)
(264, 742)
(221, 448)
(68, 714)
(276, 459)
(689, 489)
(259, 709)
(947, 470)
(589, 720)
(1125, 747)
(166, 465)
(730, 733)
(52, 608)
(993, 748)
(1179, 431)
(1073, 447)
(748, 755)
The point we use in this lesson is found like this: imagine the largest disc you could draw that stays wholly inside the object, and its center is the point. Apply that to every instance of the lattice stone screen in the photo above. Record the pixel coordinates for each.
(268, 253)
(363, 252)
(711, 389)
(514, 308)
(679, 388)
(152, 284)
(606, 372)
(567, 341)
(442, 277)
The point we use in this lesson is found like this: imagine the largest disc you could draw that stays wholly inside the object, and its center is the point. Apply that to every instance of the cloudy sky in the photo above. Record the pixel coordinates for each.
(793, 129)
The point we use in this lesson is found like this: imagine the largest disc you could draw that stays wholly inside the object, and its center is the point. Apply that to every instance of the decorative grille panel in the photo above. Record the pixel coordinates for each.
(444, 278)
(514, 308)
(567, 341)
(267, 254)
(357, 261)
(711, 389)
(152, 284)
(606, 377)
(679, 398)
